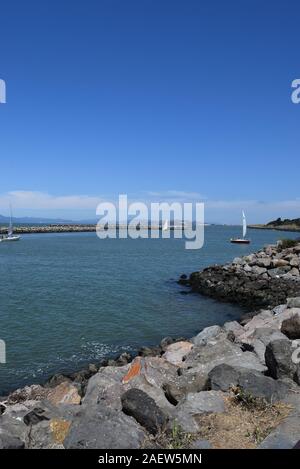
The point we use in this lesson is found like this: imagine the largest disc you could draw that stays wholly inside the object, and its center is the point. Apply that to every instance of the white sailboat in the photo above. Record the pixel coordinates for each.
(242, 240)
(165, 226)
(10, 234)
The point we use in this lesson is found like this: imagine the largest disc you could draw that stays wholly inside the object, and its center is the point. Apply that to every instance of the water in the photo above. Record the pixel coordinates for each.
(70, 299)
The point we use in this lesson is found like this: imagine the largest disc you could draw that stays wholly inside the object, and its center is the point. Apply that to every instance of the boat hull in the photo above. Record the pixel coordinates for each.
(10, 239)
(240, 241)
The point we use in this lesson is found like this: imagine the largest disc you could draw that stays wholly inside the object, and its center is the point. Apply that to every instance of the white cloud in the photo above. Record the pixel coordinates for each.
(32, 203)
(30, 200)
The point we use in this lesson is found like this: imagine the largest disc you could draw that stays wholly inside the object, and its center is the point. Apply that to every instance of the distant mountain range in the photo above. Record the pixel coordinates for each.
(27, 220)
(285, 222)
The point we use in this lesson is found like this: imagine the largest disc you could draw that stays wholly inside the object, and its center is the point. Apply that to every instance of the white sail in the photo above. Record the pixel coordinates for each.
(165, 227)
(244, 224)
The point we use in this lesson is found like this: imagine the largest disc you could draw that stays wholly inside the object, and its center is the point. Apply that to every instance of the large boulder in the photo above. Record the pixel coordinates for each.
(202, 359)
(223, 377)
(293, 302)
(291, 327)
(100, 427)
(108, 384)
(205, 402)
(8, 441)
(143, 408)
(176, 352)
(177, 388)
(278, 359)
(64, 393)
(207, 334)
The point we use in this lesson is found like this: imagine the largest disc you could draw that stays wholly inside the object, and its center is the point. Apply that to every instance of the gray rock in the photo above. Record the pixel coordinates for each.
(223, 377)
(293, 302)
(195, 404)
(258, 270)
(200, 444)
(99, 427)
(35, 416)
(208, 333)
(291, 327)
(278, 359)
(279, 309)
(8, 441)
(143, 408)
(202, 359)
(177, 388)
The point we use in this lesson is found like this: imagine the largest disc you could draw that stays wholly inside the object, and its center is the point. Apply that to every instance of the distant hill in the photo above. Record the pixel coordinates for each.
(280, 224)
(285, 222)
(35, 220)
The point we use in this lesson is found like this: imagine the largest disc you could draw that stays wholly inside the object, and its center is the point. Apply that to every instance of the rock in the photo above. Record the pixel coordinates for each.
(276, 273)
(278, 359)
(291, 327)
(264, 262)
(294, 261)
(279, 263)
(258, 270)
(93, 368)
(108, 385)
(200, 444)
(223, 377)
(293, 302)
(204, 402)
(176, 353)
(165, 342)
(234, 327)
(294, 272)
(143, 408)
(123, 359)
(286, 434)
(8, 441)
(202, 359)
(64, 393)
(177, 388)
(207, 334)
(34, 392)
(149, 351)
(35, 416)
(57, 379)
(98, 426)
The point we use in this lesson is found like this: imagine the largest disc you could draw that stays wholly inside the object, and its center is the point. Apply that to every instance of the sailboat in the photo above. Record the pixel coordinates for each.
(10, 235)
(242, 240)
(165, 226)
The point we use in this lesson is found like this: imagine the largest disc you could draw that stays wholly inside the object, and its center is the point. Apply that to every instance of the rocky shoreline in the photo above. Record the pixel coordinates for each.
(235, 386)
(261, 280)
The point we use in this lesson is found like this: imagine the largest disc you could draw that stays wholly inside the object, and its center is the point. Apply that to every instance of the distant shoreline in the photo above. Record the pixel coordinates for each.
(293, 228)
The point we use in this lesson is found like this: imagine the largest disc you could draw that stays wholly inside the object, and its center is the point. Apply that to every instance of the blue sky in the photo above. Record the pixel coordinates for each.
(164, 99)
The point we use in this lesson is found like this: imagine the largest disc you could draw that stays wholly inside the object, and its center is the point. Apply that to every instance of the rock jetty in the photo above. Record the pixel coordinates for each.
(263, 279)
(230, 386)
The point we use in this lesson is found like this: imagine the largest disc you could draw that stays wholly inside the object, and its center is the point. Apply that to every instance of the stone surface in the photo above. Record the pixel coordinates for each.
(176, 353)
(293, 302)
(64, 393)
(207, 334)
(99, 427)
(291, 327)
(143, 408)
(204, 402)
(278, 358)
(223, 377)
(8, 441)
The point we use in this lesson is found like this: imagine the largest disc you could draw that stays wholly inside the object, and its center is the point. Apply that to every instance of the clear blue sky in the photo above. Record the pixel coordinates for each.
(141, 96)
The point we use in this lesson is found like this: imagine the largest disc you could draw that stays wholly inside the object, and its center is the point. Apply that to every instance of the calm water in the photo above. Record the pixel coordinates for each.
(69, 299)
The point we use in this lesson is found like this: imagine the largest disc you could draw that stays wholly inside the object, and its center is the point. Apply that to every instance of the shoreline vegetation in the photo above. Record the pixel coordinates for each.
(280, 225)
(230, 386)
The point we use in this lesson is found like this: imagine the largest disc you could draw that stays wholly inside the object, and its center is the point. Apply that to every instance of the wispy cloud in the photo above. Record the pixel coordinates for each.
(40, 200)
(80, 206)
